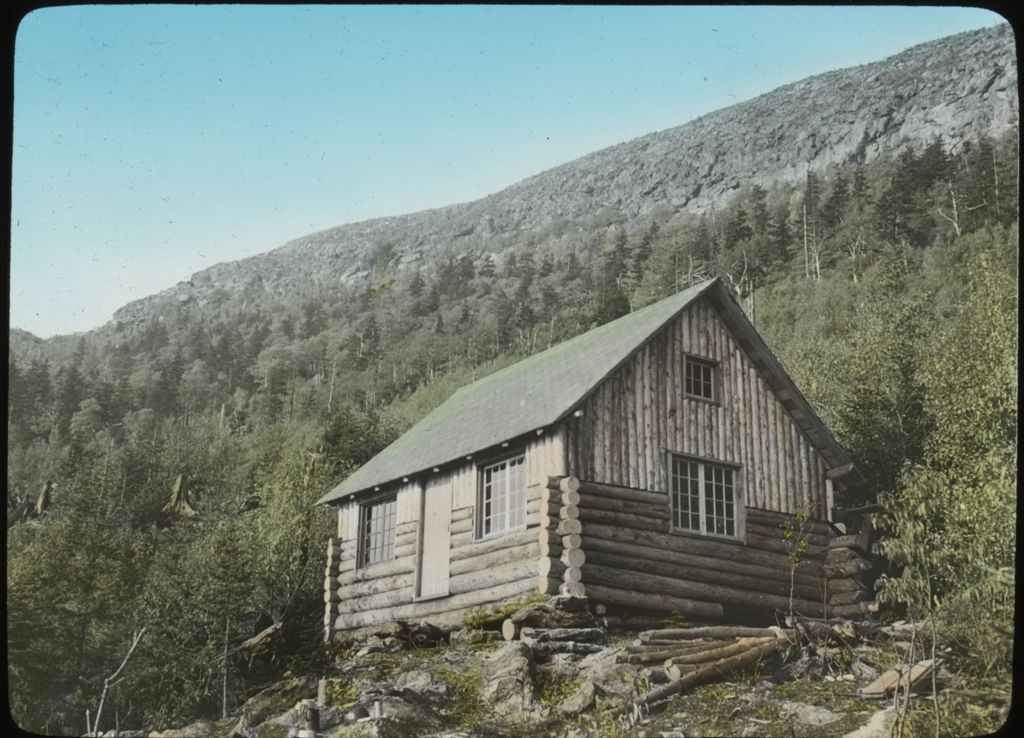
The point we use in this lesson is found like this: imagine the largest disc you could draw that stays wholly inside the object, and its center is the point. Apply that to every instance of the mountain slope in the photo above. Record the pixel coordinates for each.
(955, 89)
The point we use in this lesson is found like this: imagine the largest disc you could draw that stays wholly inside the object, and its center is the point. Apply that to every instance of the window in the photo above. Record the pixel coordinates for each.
(699, 378)
(703, 497)
(502, 496)
(377, 532)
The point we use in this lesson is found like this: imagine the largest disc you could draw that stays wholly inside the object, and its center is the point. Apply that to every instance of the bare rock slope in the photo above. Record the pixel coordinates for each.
(955, 89)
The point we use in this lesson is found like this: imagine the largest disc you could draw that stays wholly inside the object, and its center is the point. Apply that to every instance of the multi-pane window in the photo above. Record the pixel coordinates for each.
(377, 532)
(503, 496)
(699, 378)
(703, 497)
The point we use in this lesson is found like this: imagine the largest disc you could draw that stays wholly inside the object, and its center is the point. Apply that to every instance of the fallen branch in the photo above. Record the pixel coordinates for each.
(720, 632)
(109, 682)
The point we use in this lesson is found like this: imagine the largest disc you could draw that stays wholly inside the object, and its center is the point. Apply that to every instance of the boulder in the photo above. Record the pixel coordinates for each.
(508, 681)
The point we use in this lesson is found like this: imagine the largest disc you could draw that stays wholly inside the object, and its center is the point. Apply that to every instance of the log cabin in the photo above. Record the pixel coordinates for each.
(653, 462)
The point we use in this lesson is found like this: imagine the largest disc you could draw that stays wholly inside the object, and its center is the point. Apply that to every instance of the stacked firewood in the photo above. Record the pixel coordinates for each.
(681, 658)
(561, 545)
(561, 625)
(850, 575)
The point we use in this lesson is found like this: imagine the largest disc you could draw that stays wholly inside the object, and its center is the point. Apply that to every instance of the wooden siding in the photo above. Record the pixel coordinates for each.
(480, 572)
(632, 558)
(640, 410)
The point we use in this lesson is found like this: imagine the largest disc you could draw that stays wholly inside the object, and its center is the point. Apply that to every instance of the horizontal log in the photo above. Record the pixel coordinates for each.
(375, 586)
(700, 657)
(550, 550)
(573, 557)
(678, 671)
(575, 589)
(626, 521)
(852, 541)
(550, 648)
(856, 610)
(520, 552)
(751, 588)
(583, 635)
(535, 506)
(849, 598)
(548, 567)
(848, 569)
(843, 555)
(454, 607)
(718, 632)
(486, 578)
(572, 574)
(569, 527)
(461, 527)
(406, 565)
(699, 545)
(659, 511)
(564, 484)
(548, 585)
(568, 512)
(464, 546)
(661, 655)
(776, 533)
(613, 595)
(775, 519)
(559, 498)
(409, 527)
(676, 645)
(621, 623)
(462, 513)
(407, 549)
(622, 493)
(845, 584)
(571, 541)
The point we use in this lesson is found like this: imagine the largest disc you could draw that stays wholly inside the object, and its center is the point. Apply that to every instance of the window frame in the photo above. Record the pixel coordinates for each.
(362, 551)
(479, 516)
(705, 465)
(704, 361)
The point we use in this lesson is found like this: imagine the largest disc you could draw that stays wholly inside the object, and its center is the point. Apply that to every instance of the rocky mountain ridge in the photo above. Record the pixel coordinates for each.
(955, 89)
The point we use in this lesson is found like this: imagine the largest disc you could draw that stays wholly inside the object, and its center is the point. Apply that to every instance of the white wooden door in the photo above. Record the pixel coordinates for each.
(436, 553)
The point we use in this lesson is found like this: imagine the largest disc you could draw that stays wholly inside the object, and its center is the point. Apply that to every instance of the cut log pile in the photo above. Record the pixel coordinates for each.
(690, 657)
(563, 624)
(850, 575)
(560, 543)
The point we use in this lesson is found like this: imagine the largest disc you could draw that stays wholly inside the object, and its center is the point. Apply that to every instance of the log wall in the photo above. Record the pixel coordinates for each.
(640, 410)
(481, 572)
(634, 560)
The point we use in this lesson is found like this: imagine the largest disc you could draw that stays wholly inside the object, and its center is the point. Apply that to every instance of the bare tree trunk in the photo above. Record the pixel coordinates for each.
(112, 680)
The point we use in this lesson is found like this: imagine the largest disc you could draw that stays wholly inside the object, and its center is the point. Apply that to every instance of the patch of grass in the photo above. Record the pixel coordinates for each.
(979, 709)
(481, 616)
(464, 708)
(674, 620)
(553, 688)
(341, 692)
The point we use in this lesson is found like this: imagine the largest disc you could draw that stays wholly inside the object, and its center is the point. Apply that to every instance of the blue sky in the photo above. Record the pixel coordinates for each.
(151, 142)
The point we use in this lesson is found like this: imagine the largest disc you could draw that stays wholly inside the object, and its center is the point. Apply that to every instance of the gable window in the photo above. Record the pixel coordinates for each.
(703, 497)
(699, 378)
(502, 496)
(377, 532)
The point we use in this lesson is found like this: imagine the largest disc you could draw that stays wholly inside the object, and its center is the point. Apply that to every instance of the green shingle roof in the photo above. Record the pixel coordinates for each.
(526, 396)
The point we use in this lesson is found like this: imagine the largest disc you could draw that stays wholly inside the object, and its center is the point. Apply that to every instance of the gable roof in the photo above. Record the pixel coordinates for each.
(544, 388)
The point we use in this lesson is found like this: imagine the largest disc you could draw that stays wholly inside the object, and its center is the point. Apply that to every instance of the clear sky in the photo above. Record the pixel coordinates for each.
(151, 142)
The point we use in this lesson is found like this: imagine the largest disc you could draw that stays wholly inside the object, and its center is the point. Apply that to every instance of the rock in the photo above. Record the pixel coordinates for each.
(468, 636)
(274, 700)
(199, 729)
(878, 726)
(672, 734)
(508, 681)
(420, 686)
(809, 714)
(582, 700)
